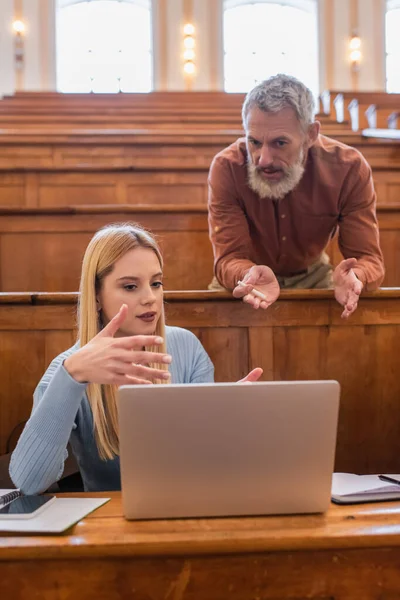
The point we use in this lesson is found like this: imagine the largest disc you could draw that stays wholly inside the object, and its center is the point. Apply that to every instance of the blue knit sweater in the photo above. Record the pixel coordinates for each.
(61, 413)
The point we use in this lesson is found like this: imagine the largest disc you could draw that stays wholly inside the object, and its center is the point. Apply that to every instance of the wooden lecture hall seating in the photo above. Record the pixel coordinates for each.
(72, 163)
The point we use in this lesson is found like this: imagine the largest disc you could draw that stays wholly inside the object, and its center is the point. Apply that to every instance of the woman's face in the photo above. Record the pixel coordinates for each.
(136, 280)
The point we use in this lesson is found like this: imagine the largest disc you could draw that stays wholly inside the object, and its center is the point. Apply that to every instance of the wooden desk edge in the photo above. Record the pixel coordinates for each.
(38, 298)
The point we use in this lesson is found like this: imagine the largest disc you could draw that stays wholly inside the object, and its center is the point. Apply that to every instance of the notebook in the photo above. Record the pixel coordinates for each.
(7, 496)
(59, 516)
(348, 488)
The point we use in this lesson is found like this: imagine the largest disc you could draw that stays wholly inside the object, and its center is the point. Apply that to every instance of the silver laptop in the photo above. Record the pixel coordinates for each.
(227, 449)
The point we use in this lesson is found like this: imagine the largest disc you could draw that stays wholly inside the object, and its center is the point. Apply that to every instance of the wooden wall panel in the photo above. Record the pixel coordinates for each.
(91, 190)
(389, 232)
(350, 354)
(303, 337)
(300, 352)
(65, 189)
(56, 339)
(22, 358)
(188, 260)
(178, 185)
(229, 351)
(387, 186)
(45, 252)
(41, 261)
(43, 249)
(19, 370)
(159, 194)
(12, 189)
(390, 244)
(261, 350)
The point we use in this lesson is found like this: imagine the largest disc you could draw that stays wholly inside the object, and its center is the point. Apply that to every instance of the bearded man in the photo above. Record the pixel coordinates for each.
(277, 196)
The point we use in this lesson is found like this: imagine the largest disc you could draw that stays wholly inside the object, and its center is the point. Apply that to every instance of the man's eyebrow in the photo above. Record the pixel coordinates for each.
(281, 137)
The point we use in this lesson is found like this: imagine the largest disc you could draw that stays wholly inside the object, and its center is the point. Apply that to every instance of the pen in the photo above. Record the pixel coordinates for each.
(389, 479)
(255, 292)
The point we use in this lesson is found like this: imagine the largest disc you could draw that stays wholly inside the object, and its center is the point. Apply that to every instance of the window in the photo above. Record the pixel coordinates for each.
(393, 46)
(104, 46)
(265, 38)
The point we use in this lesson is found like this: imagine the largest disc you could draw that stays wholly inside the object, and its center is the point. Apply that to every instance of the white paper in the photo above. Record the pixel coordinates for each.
(344, 484)
(57, 517)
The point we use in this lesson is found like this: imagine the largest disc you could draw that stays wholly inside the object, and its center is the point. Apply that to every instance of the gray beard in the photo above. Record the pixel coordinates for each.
(275, 191)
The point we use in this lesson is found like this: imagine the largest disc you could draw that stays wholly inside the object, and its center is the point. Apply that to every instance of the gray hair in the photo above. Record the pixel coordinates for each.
(278, 92)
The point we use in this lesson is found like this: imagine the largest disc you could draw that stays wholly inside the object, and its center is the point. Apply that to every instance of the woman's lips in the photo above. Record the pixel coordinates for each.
(147, 317)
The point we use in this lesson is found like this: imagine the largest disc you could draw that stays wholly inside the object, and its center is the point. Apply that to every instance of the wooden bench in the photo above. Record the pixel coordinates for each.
(339, 100)
(42, 249)
(39, 168)
(154, 110)
(364, 112)
(302, 336)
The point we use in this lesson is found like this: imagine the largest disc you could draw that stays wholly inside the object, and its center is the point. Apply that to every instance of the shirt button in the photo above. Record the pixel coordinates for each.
(284, 238)
(216, 229)
(283, 216)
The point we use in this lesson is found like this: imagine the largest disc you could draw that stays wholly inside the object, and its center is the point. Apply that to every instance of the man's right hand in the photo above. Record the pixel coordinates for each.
(263, 279)
(117, 360)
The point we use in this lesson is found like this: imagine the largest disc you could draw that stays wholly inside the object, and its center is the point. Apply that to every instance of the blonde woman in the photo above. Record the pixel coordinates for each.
(122, 340)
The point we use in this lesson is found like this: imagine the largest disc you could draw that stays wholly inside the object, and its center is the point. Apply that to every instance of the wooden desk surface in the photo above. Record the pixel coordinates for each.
(105, 532)
(349, 552)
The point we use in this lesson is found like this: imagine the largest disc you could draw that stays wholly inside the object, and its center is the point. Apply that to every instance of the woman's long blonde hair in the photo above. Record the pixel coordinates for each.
(107, 246)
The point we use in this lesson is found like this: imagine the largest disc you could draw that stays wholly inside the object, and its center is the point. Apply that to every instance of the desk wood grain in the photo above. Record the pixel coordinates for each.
(349, 552)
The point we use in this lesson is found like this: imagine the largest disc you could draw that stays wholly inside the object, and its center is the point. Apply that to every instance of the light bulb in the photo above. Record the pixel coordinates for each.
(18, 26)
(355, 55)
(188, 29)
(188, 42)
(355, 43)
(189, 67)
(189, 54)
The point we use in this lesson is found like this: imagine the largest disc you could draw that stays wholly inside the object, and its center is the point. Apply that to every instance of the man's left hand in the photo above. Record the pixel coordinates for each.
(347, 287)
(254, 375)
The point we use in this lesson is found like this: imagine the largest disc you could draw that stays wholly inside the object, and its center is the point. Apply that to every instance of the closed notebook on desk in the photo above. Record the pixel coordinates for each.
(348, 488)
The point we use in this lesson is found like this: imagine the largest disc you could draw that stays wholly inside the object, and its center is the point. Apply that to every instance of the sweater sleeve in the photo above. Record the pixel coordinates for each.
(190, 362)
(38, 459)
(228, 226)
(202, 367)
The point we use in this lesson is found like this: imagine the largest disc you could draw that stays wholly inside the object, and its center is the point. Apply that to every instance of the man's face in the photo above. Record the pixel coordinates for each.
(277, 147)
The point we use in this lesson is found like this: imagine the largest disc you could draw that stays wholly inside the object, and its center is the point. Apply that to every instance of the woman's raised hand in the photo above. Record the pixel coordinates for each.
(117, 360)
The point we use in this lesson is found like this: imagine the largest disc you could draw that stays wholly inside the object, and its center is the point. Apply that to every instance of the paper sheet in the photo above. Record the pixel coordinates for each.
(344, 484)
(56, 518)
